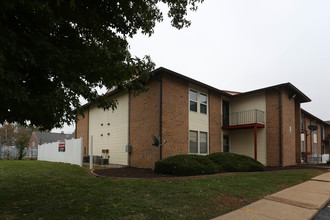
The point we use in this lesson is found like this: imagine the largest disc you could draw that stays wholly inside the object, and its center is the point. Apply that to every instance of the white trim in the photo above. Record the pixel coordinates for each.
(198, 142)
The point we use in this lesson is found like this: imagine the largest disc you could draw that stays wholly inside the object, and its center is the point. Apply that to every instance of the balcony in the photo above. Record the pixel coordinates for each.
(244, 119)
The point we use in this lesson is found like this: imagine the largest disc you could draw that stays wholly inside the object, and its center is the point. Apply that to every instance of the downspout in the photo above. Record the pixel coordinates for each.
(280, 125)
(87, 147)
(160, 118)
(128, 129)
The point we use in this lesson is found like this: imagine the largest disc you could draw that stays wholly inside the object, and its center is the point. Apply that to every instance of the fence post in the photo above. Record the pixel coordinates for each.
(91, 153)
(81, 151)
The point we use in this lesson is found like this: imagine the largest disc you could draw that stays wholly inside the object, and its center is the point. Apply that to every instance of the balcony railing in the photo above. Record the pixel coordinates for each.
(244, 117)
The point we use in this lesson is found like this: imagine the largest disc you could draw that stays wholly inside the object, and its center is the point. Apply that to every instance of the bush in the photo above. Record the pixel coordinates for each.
(186, 165)
(235, 163)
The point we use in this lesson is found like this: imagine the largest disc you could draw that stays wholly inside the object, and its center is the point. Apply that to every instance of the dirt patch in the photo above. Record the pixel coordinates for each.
(133, 172)
(130, 172)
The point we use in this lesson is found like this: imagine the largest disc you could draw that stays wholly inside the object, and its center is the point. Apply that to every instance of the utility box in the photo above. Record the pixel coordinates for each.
(86, 159)
(128, 148)
(104, 161)
(96, 159)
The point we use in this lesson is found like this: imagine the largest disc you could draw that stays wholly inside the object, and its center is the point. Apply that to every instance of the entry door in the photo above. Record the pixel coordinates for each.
(225, 113)
(226, 143)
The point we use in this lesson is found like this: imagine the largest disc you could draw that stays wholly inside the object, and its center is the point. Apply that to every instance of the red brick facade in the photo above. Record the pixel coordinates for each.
(144, 121)
(175, 116)
(163, 111)
(272, 128)
(82, 127)
(288, 129)
(215, 104)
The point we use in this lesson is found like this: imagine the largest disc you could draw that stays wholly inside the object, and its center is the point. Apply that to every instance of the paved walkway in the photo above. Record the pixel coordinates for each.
(303, 201)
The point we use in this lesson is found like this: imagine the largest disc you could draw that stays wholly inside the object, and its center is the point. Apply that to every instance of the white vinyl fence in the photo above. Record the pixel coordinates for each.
(67, 151)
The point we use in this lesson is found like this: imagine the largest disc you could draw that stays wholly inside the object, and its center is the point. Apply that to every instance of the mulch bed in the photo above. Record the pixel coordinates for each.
(133, 172)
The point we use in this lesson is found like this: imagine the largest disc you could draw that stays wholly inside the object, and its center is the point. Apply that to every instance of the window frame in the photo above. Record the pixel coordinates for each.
(200, 103)
(191, 100)
(199, 142)
(225, 136)
(190, 131)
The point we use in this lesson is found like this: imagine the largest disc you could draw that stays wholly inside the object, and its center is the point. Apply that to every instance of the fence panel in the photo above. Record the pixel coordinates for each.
(54, 152)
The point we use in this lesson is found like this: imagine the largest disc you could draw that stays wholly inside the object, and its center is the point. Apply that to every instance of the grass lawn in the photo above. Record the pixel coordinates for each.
(44, 190)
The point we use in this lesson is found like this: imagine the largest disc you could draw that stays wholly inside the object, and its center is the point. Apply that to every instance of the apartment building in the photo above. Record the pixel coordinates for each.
(195, 118)
(314, 142)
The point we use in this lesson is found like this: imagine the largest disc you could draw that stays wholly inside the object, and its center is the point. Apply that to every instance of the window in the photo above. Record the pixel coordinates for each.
(203, 103)
(33, 144)
(203, 143)
(225, 143)
(193, 142)
(197, 102)
(303, 123)
(315, 148)
(322, 133)
(303, 146)
(196, 147)
(193, 100)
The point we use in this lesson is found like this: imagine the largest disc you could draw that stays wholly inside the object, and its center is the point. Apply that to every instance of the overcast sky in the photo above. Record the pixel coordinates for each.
(243, 45)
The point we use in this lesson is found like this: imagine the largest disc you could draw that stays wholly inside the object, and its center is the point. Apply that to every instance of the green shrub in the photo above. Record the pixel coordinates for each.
(186, 165)
(231, 162)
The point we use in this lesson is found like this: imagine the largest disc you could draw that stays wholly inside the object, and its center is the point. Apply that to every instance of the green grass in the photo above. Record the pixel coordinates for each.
(35, 189)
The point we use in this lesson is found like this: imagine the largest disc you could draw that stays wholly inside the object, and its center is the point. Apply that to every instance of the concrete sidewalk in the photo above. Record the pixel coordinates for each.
(302, 201)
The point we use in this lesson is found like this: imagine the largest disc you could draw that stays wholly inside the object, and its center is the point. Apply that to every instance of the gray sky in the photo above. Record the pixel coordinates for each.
(243, 45)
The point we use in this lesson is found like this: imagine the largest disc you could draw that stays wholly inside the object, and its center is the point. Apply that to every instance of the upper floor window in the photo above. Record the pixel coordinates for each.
(322, 133)
(196, 98)
(203, 103)
(193, 100)
(303, 123)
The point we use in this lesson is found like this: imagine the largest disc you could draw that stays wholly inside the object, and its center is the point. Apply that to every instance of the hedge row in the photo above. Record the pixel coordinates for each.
(187, 165)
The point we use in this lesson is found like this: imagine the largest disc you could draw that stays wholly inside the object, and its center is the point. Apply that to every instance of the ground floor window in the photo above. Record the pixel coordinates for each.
(315, 148)
(225, 143)
(303, 146)
(198, 142)
(193, 142)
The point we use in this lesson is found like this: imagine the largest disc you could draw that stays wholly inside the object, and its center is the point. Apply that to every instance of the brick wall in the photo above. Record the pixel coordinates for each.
(288, 129)
(308, 122)
(215, 130)
(327, 131)
(144, 122)
(310, 148)
(272, 128)
(175, 116)
(82, 130)
(298, 132)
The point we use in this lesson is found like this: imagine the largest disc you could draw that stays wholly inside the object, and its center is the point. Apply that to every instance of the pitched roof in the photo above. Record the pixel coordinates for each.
(295, 92)
(314, 117)
(49, 137)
